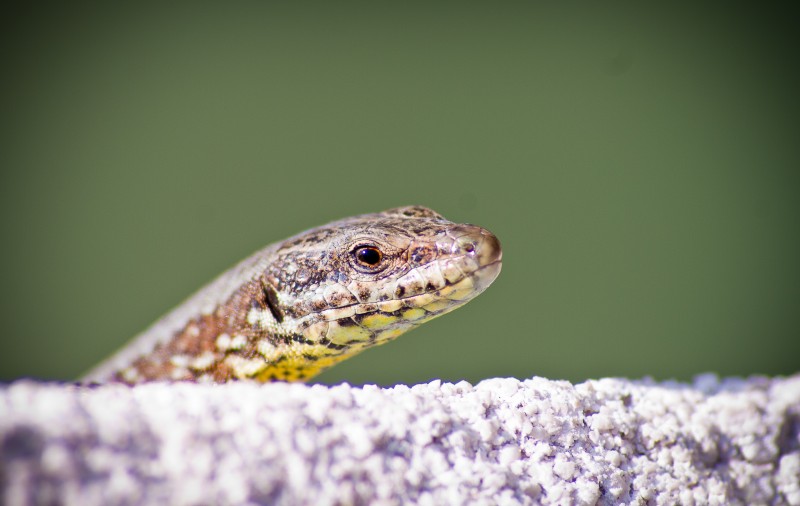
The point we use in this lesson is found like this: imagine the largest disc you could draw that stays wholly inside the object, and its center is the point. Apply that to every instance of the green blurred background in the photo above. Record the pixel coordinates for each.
(640, 165)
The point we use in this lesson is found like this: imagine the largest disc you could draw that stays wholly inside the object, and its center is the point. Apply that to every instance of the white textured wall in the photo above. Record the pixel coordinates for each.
(502, 441)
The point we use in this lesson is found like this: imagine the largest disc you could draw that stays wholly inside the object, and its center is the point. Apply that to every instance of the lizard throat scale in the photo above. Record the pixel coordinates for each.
(301, 305)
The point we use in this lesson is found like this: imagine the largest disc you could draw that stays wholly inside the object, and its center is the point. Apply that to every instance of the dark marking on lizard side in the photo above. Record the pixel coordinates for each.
(272, 303)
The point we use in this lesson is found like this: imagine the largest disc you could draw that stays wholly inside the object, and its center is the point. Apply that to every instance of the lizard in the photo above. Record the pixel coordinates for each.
(301, 305)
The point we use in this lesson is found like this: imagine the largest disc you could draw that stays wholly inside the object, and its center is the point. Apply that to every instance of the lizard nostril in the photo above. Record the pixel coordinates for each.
(465, 245)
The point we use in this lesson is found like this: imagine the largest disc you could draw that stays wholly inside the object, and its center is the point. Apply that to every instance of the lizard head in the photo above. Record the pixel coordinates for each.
(362, 281)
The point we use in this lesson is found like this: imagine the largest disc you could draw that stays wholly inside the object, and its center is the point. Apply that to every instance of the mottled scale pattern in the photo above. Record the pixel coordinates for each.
(302, 305)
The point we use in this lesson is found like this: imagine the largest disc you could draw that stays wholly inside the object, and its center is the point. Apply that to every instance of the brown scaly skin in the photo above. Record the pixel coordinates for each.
(299, 306)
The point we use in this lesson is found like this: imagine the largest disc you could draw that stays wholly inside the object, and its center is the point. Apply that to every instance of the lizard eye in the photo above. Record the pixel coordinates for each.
(368, 257)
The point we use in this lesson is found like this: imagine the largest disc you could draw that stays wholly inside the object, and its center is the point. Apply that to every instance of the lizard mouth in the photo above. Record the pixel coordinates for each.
(357, 324)
(456, 294)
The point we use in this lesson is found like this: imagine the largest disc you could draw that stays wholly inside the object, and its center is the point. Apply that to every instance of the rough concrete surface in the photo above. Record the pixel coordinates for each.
(503, 441)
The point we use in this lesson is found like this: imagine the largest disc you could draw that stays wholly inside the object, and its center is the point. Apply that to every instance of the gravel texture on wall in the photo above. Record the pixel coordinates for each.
(502, 441)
